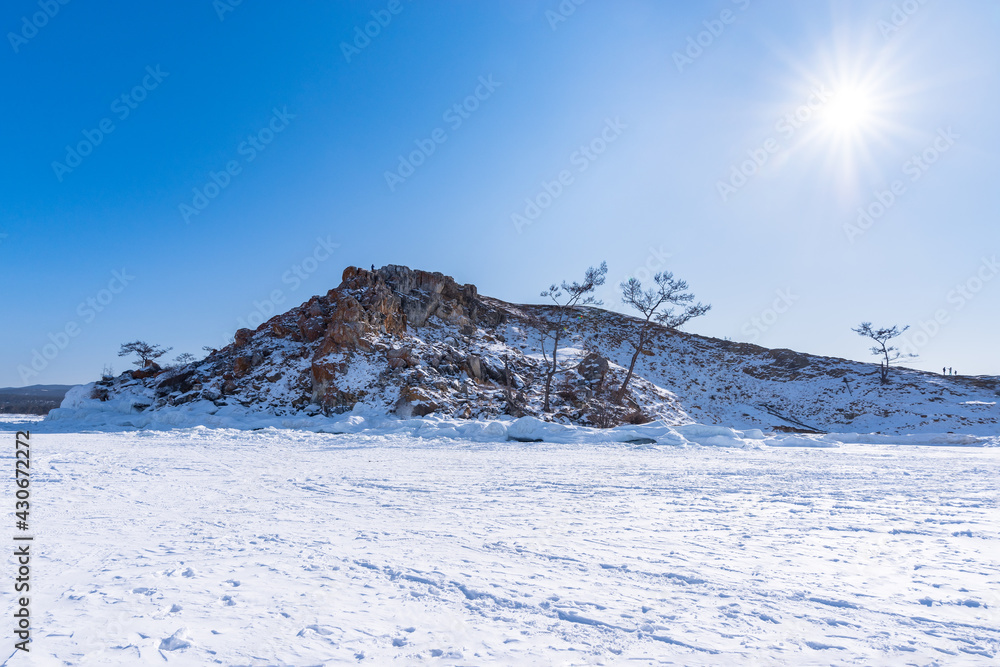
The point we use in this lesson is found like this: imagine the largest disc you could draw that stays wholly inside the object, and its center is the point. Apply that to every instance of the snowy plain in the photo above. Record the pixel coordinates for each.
(289, 547)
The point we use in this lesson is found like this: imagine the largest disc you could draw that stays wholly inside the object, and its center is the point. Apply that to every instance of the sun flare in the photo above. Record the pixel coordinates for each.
(857, 111)
(849, 110)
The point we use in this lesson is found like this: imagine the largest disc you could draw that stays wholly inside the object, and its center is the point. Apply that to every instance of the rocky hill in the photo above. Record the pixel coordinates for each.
(413, 343)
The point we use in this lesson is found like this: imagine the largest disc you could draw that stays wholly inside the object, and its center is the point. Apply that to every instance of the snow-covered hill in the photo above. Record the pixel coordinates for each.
(412, 343)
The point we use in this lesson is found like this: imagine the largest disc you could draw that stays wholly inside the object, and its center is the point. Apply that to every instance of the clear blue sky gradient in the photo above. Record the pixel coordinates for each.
(663, 133)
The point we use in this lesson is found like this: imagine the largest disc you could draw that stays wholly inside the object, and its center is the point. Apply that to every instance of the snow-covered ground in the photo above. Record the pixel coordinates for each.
(288, 547)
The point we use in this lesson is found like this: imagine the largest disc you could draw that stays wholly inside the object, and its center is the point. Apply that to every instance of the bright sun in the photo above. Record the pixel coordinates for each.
(848, 111)
(855, 114)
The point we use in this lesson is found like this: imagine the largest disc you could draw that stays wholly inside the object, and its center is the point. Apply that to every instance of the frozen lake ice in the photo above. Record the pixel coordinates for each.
(216, 546)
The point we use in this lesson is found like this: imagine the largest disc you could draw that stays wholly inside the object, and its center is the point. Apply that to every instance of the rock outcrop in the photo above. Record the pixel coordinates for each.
(416, 343)
(360, 342)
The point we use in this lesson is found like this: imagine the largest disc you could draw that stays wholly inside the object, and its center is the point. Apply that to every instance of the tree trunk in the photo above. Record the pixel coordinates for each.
(628, 376)
(513, 408)
(552, 369)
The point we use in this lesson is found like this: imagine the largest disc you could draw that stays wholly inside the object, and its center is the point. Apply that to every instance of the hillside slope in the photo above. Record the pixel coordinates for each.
(414, 343)
(36, 399)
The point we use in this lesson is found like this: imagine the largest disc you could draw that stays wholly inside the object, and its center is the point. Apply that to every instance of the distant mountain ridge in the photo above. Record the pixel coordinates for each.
(413, 343)
(36, 399)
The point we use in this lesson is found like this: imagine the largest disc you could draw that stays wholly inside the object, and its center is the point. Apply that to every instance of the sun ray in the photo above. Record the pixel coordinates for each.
(864, 116)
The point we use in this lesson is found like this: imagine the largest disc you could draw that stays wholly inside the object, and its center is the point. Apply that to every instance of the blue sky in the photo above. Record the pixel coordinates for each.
(734, 143)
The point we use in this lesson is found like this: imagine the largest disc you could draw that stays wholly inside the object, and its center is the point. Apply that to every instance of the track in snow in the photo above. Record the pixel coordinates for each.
(280, 547)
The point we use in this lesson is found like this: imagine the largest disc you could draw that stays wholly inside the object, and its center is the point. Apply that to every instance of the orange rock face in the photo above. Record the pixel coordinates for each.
(242, 337)
(151, 370)
(368, 311)
(241, 366)
(277, 329)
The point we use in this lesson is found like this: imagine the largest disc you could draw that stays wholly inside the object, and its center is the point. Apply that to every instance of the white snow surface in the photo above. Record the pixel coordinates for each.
(79, 412)
(441, 542)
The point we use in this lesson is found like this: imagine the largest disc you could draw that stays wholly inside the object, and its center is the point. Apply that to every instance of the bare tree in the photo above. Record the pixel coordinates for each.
(145, 352)
(649, 302)
(567, 297)
(889, 353)
(184, 359)
(515, 403)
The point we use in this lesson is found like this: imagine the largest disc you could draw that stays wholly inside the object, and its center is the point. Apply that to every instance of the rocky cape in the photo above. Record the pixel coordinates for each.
(411, 343)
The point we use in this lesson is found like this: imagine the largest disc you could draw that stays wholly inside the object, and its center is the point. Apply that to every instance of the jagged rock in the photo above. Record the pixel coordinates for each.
(311, 328)
(494, 374)
(400, 358)
(151, 369)
(416, 402)
(323, 374)
(324, 390)
(186, 398)
(311, 323)
(342, 335)
(338, 401)
(423, 295)
(182, 381)
(474, 367)
(241, 366)
(277, 329)
(593, 368)
(242, 337)
(380, 302)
